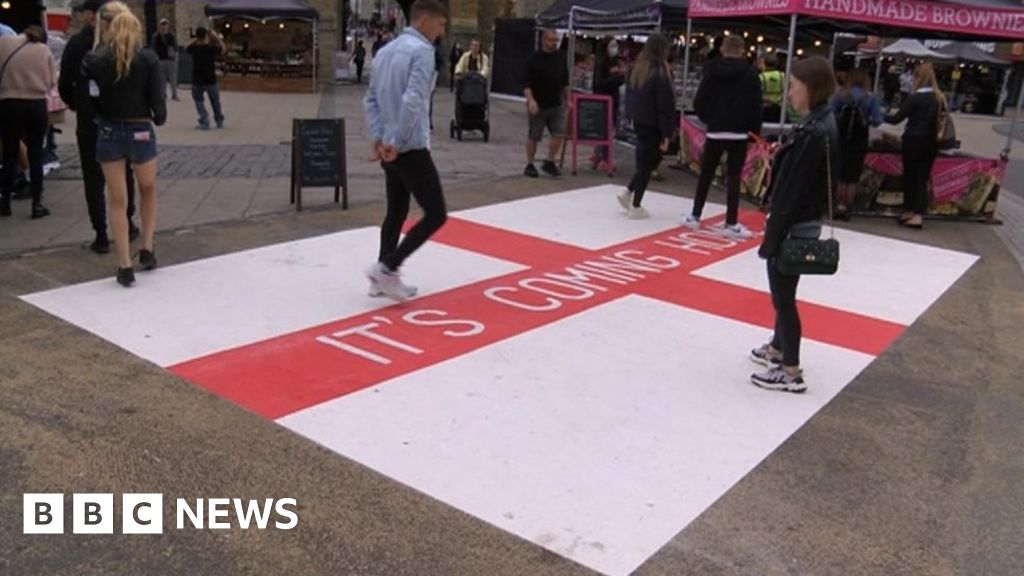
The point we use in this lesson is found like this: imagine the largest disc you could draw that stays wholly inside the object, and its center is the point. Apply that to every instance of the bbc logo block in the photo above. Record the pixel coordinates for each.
(94, 514)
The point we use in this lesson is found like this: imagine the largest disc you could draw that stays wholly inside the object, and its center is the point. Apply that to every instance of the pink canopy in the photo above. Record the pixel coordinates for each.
(991, 21)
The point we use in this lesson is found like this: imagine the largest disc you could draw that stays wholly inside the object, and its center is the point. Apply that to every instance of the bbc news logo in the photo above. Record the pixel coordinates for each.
(144, 513)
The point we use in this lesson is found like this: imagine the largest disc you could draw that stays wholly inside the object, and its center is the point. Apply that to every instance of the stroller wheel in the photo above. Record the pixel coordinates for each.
(459, 134)
(487, 131)
(451, 130)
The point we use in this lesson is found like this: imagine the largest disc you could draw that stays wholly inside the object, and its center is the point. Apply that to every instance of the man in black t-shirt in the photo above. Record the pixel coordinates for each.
(205, 50)
(547, 98)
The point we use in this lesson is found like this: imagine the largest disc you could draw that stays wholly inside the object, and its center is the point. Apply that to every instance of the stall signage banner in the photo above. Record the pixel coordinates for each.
(960, 185)
(910, 13)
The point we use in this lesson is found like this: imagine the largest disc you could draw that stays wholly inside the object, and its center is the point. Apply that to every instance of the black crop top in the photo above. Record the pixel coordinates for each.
(139, 94)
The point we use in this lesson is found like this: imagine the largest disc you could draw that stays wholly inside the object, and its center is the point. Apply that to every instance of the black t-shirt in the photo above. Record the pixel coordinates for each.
(546, 76)
(204, 63)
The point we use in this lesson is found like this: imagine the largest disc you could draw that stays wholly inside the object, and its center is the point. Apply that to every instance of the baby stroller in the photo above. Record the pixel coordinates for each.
(471, 106)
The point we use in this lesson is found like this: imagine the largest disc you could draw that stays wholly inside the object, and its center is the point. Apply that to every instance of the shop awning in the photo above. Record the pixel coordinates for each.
(910, 48)
(954, 19)
(968, 52)
(261, 8)
(615, 15)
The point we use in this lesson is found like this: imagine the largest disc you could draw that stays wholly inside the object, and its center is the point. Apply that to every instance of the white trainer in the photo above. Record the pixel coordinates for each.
(690, 221)
(389, 283)
(736, 232)
(637, 213)
(625, 199)
(376, 292)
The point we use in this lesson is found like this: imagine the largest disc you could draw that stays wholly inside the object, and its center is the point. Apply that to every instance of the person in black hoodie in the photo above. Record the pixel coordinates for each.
(729, 103)
(128, 90)
(920, 142)
(74, 91)
(802, 182)
(653, 110)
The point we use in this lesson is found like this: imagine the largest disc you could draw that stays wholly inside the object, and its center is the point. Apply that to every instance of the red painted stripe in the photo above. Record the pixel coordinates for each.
(295, 371)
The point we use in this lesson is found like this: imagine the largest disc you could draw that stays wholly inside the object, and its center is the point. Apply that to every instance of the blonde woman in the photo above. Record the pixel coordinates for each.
(652, 106)
(920, 142)
(127, 88)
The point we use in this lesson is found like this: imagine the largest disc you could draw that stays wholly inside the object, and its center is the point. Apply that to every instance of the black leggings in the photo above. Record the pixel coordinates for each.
(413, 174)
(787, 320)
(919, 154)
(713, 150)
(23, 120)
(648, 156)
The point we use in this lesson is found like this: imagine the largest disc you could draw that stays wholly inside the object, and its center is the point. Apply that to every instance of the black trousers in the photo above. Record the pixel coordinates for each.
(413, 175)
(359, 71)
(23, 120)
(95, 183)
(919, 154)
(787, 320)
(736, 151)
(648, 156)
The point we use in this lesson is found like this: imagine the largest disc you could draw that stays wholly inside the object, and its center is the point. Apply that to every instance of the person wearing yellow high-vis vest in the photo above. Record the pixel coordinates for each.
(772, 81)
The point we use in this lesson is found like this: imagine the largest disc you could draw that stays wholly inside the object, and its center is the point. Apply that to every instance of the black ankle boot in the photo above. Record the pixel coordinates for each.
(147, 259)
(39, 211)
(126, 276)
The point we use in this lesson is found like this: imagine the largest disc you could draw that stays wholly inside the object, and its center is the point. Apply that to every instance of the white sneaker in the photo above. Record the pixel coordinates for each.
(736, 232)
(376, 292)
(625, 199)
(690, 221)
(389, 283)
(637, 213)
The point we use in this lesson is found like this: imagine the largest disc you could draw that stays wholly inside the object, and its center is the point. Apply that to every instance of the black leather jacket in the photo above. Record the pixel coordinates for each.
(800, 179)
(139, 94)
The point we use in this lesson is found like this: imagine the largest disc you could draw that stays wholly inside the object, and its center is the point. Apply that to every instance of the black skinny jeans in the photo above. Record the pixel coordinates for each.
(648, 156)
(23, 120)
(95, 183)
(412, 175)
(919, 154)
(787, 320)
(737, 157)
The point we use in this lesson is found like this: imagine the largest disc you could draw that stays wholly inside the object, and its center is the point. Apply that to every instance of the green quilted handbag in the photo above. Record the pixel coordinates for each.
(810, 255)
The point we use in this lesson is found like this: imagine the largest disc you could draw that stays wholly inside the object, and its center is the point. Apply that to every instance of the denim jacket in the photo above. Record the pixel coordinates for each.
(397, 103)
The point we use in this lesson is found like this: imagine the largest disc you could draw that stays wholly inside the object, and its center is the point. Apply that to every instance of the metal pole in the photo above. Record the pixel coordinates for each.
(1013, 123)
(789, 68)
(686, 64)
(878, 65)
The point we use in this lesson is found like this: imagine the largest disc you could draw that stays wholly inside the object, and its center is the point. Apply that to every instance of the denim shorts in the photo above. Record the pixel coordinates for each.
(132, 141)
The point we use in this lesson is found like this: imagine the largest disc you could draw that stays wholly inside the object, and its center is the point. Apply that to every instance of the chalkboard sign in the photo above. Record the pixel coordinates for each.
(591, 123)
(318, 157)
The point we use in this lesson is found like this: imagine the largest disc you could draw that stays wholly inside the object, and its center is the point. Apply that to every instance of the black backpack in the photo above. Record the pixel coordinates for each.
(853, 125)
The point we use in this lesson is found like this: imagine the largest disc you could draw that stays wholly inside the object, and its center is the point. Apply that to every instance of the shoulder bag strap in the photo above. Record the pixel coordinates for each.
(8, 61)
(828, 173)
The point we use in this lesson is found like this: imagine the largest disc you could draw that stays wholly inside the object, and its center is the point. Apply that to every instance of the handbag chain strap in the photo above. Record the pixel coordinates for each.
(828, 173)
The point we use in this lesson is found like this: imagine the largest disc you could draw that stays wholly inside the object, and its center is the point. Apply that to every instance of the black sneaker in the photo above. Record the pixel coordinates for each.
(550, 168)
(133, 232)
(147, 259)
(126, 276)
(531, 171)
(778, 379)
(101, 245)
(39, 211)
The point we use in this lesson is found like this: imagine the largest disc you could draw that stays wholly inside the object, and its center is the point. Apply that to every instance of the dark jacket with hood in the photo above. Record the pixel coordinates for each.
(138, 94)
(729, 97)
(800, 178)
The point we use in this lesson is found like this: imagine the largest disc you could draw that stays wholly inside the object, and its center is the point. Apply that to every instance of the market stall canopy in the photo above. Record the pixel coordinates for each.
(911, 48)
(952, 19)
(261, 8)
(613, 16)
(968, 52)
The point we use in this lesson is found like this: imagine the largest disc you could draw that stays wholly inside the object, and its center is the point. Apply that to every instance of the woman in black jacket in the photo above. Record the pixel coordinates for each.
(652, 107)
(125, 82)
(920, 142)
(801, 184)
